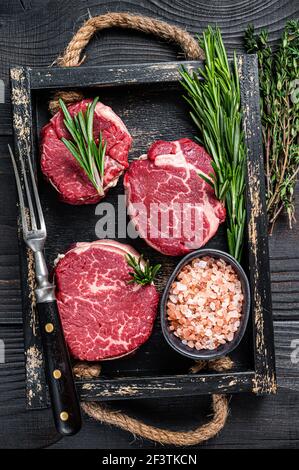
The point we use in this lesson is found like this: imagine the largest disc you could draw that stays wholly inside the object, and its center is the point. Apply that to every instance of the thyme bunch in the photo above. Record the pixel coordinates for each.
(279, 90)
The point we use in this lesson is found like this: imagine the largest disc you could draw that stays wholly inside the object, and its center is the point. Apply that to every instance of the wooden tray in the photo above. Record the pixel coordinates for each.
(148, 98)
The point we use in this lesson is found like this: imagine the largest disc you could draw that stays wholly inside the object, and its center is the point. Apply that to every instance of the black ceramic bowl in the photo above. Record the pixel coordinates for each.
(226, 348)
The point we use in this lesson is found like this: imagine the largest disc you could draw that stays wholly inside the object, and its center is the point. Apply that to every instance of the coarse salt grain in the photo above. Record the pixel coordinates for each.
(204, 307)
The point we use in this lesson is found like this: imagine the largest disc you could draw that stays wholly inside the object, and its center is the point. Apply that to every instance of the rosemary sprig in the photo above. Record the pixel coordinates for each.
(213, 94)
(278, 76)
(143, 273)
(89, 155)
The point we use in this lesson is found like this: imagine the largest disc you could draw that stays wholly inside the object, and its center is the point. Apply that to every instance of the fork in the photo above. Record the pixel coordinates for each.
(65, 403)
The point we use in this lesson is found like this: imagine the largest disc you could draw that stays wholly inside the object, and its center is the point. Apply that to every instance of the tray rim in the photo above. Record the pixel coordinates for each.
(260, 380)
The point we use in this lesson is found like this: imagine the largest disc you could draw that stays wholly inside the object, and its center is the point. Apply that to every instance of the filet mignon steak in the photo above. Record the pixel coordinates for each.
(103, 317)
(172, 208)
(61, 168)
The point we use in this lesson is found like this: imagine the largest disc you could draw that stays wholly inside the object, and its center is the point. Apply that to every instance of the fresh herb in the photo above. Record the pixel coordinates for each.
(89, 155)
(213, 94)
(143, 272)
(279, 90)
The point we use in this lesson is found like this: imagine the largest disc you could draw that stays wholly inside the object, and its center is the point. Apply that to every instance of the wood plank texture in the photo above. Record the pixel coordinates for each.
(108, 76)
(34, 33)
(36, 390)
(268, 422)
(258, 251)
(167, 386)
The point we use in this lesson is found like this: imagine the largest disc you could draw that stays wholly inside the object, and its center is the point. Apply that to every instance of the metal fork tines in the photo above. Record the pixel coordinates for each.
(34, 231)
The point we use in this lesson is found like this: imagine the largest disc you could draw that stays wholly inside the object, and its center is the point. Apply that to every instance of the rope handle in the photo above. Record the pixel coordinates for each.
(72, 56)
(164, 436)
(161, 29)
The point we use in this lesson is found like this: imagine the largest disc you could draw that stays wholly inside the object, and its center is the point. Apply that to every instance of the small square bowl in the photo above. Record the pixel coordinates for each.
(205, 354)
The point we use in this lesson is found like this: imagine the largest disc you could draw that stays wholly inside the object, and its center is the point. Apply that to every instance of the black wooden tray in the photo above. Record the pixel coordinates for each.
(148, 98)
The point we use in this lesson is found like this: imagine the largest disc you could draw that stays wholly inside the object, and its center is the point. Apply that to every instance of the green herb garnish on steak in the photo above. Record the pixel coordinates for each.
(143, 273)
(89, 155)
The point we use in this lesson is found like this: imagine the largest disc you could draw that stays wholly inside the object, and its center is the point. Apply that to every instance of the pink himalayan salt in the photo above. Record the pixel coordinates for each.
(204, 307)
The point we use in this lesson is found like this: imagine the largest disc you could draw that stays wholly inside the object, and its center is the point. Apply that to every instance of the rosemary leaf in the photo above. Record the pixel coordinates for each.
(82, 125)
(209, 180)
(90, 114)
(65, 111)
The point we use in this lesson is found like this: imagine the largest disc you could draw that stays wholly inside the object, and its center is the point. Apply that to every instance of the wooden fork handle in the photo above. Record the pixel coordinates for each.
(65, 403)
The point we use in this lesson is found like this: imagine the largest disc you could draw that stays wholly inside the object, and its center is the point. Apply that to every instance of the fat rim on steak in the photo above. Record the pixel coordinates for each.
(103, 316)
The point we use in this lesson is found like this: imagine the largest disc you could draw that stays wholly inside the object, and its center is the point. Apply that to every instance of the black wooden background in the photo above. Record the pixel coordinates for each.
(34, 32)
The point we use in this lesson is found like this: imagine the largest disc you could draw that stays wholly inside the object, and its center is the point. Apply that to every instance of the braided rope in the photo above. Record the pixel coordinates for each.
(165, 436)
(72, 55)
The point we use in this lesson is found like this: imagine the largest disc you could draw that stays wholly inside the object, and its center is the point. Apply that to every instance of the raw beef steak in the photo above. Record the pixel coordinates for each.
(171, 206)
(103, 316)
(61, 168)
